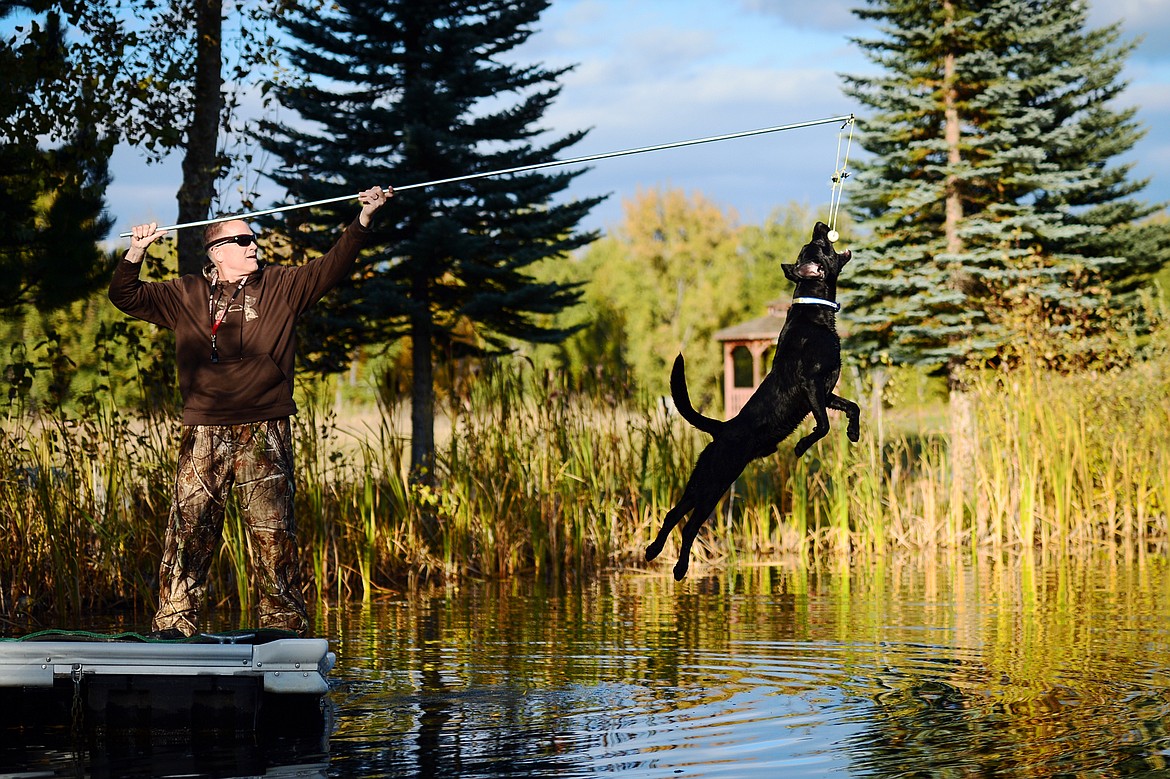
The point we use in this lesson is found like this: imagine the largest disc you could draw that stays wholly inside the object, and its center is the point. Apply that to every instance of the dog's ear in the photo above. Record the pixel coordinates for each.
(843, 257)
(790, 272)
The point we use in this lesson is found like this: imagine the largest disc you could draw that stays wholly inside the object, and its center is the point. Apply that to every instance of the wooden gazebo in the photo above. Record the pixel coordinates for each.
(747, 352)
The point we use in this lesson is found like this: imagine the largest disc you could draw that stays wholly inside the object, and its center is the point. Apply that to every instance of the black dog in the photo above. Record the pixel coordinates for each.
(804, 373)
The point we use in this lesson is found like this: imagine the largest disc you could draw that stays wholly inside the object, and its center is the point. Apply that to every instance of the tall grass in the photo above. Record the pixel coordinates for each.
(540, 476)
(83, 504)
(1073, 460)
(551, 480)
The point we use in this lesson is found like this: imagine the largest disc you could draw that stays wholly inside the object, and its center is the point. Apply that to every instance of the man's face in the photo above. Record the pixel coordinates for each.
(232, 259)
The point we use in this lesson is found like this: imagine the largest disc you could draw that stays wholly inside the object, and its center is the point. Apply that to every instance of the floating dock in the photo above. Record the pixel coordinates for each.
(243, 681)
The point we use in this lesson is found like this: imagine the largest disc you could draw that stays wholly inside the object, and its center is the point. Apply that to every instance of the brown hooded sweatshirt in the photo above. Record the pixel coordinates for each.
(256, 343)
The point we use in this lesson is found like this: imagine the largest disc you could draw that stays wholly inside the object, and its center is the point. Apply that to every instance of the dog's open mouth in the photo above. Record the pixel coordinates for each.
(810, 270)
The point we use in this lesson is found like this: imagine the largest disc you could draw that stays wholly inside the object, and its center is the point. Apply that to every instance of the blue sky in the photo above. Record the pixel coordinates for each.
(659, 71)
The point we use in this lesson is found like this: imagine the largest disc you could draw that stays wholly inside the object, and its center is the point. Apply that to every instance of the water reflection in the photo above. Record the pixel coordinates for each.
(1020, 667)
(1015, 667)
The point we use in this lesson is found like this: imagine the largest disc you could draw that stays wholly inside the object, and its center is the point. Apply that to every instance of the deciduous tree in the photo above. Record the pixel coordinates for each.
(673, 272)
(149, 73)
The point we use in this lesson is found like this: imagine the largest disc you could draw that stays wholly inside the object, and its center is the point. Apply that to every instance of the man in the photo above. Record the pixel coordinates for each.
(235, 350)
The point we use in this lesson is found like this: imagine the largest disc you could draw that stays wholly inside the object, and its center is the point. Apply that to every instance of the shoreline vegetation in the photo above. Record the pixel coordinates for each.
(537, 477)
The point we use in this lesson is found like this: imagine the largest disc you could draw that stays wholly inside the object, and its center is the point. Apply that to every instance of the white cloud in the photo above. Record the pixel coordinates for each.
(831, 15)
(1152, 99)
(754, 174)
(1148, 20)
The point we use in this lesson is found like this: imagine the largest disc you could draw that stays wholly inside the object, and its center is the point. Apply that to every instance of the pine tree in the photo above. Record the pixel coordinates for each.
(52, 205)
(403, 92)
(997, 214)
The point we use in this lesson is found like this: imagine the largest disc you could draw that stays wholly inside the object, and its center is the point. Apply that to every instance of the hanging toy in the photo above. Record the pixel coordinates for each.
(840, 173)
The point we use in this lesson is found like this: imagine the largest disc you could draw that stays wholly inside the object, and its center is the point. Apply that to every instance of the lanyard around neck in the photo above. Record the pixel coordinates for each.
(218, 316)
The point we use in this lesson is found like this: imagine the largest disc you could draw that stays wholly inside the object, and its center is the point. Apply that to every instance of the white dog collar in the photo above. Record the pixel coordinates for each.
(819, 302)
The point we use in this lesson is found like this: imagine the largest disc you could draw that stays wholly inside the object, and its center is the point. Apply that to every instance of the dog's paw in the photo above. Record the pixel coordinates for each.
(680, 570)
(653, 551)
(854, 433)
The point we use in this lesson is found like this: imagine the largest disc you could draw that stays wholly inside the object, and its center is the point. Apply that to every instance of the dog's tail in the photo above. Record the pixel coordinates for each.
(682, 400)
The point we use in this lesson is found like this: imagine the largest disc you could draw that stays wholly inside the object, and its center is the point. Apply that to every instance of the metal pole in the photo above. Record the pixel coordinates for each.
(519, 169)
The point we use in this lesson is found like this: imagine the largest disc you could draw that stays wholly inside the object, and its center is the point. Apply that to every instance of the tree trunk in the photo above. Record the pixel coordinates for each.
(951, 135)
(962, 422)
(201, 163)
(964, 498)
(953, 215)
(422, 404)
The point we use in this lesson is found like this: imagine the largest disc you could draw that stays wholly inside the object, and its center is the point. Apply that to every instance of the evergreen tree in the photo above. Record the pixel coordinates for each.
(996, 209)
(51, 202)
(401, 92)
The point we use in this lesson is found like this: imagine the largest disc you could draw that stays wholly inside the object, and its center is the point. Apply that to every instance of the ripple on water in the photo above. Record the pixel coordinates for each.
(766, 708)
(870, 709)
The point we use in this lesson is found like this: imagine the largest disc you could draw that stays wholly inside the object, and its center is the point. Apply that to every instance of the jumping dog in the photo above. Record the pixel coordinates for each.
(801, 381)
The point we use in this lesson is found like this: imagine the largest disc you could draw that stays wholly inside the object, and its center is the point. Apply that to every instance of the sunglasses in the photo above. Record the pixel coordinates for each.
(238, 240)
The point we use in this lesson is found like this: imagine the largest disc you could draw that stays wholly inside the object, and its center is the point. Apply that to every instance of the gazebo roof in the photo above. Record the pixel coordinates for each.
(764, 328)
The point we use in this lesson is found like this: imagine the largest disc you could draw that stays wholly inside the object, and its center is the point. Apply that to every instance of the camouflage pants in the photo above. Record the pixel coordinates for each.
(257, 461)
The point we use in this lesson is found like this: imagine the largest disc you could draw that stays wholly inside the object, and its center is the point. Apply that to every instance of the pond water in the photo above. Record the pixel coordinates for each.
(923, 666)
